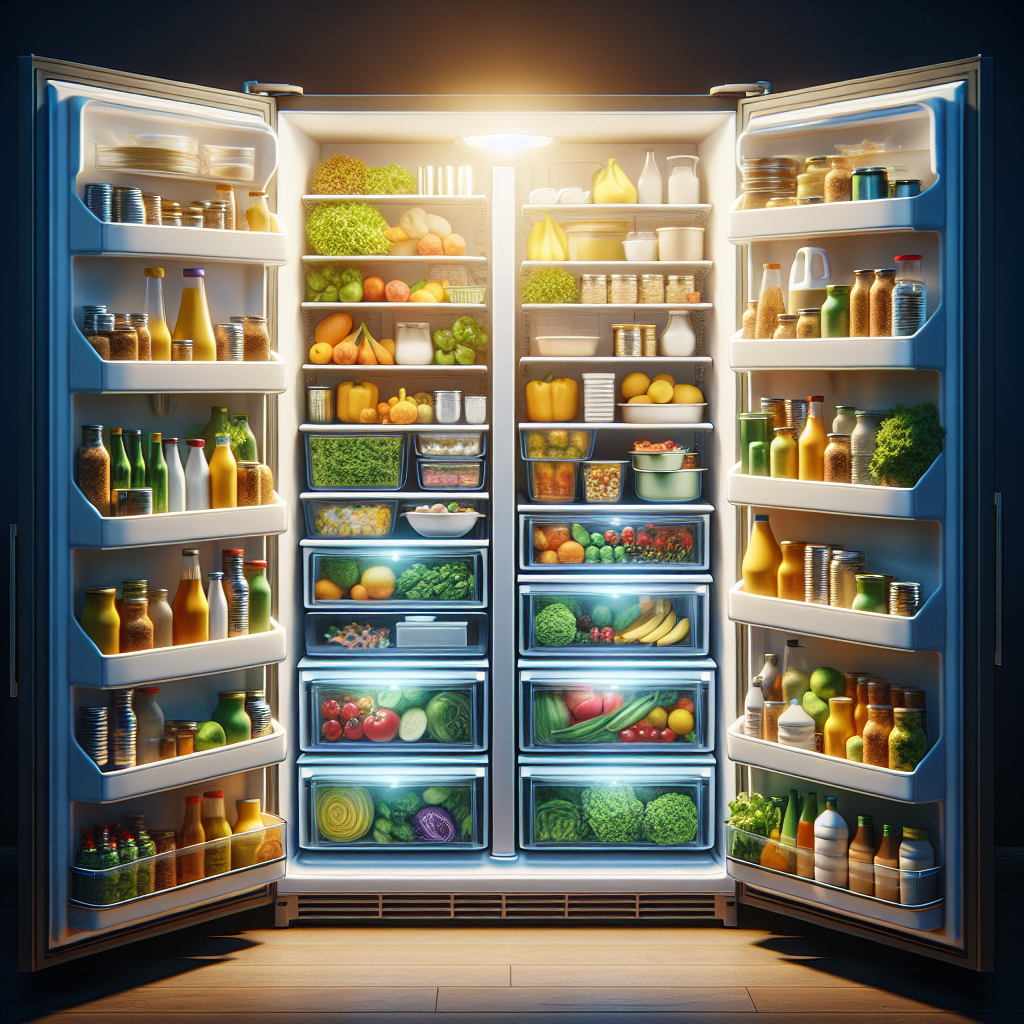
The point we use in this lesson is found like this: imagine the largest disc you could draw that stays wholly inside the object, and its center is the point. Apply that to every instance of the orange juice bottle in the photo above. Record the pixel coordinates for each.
(223, 475)
(805, 837)
(812, 442)
(153, 306)
(762, 560)
(194, 317)
(191, 610)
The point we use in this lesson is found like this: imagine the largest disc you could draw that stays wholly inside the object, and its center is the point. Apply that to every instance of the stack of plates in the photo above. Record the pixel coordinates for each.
(92, 733)
(767, 178)
(598, 397)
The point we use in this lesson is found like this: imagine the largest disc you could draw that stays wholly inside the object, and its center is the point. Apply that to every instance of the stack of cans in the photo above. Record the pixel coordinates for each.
(796, 414)
(904, 599)
(844, 567)
(89, 314)
(816, 573)
(99, 199)
(258, 711)
(125, 729)
(92, 733)
(128, 206)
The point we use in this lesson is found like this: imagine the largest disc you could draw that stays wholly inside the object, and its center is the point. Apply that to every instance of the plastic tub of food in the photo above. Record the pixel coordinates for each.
(563, 445)
(662, 461)
(681, 244)
(603, 481)
(667, 412)
(598, 240)
(552, 482)
(450, 446)
(237, 162)
(566, 346)
(368, 462)
(641, 246)
(326, 517)
(462, 475)
(676, 485)
(439, 523)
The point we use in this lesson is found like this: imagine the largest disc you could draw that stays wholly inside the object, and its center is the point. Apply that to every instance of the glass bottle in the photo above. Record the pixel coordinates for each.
(218, 602)
(100, 621)
(223, 475)
(120, 467)
(862, 857)
(191, 833)
(135, 457)
(876, 735)
(230, 715)
(175, 475)
(753, 428)
(679, 339)
(791, 572)
(94, 468)
(136, 631)
(770, 302)
(249, 834)
(907, 742)
(153, 305)
(247, 448)
(197, 476)
(839, 726)
(783, 455)
(846, 419)
(811, 451)
(835, 313)
(761, 560)
(831, 842)
(648, 185)
(837, 459)
(860, 705)
(216, 855)
(257, 214)
(862, 446)
(753, 709)
(218, 423)
(887, 862)
(805, 836)
(860, 303)
(150, 724)
(916, 854)
(194, 316)
(795, 677)
(237, 591)
(259, 596)
(156, 472)
(750, 320)
(161, 616)
(880, 305)
(909, 297)
(872, 594)
(191, 612)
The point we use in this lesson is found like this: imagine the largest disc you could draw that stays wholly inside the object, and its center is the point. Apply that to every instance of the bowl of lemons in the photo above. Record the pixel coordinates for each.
(660, 400)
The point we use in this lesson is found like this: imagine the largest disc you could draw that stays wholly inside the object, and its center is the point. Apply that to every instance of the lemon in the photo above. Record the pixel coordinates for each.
(640, 400)
(635, 384)
(666, 377)
(658, 717)
(686, 394)
(321, 353)
(660, 391)
(680, 721)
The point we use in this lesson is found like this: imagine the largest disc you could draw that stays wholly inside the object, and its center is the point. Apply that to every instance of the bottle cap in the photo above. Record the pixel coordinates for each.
(194, 272)
(234, 551)
(815, 398)
(760, 519)
(257, 564)
(223, 439)
(193, 799)
(215, 793)
(149, 689)
(170, 440)
(772, 266)
(903, 259)
(154, 272)
(863, 819)
(215, 575)
(195, 442)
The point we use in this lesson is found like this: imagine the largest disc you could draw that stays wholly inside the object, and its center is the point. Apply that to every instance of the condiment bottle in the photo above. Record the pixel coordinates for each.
(811, 450)
(753, 709)
(783, 454)
(162, 617)
(156, 472)
(761, 560)
(788, 832)
(197, 476)
(839, 726)
(191, 611)
(194, 316)
(791, 572)
(218, 603)
(175, 476)
(216, 856)
(862, 857)
(259, 596)
(916, 854)
(796, 727)
(876, 735)
(771, 679)
(835, 313)
(805, 837)
(887, 863)
(191, 865)
(860, 709)
(860, 303)
(149, 724)
(249, 834)
(223, 475)
(258, 215)
(94, 468)
(831, 839)
(218, 423)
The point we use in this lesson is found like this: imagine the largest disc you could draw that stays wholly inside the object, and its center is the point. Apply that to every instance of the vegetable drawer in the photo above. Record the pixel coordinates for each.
(640, 710)
(393, 807)
(610, 807)
(579, 617)
(393, 576)
(403, 710)
(614, 541)
(375, 635)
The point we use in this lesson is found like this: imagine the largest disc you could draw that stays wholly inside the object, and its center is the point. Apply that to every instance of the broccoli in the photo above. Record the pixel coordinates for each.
(613, 812)
(342, 571)
(466, 828)
(557, 821)
(408, 802)
(402, 832)
(554, 626)
(468, 332)
(347, 229)
(907, 443)
(444, 358)
(670, 820)
(459, 802)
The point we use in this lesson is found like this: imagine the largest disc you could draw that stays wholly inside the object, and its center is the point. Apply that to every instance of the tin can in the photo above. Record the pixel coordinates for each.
(258, 711)
(796, 414)
(236, 588)
(906, 187)
(230, 340)
(843, 569)
(816, 573)
(181, 351)
(476, 408)
(775, 408)
(870, 183)
(93, 733)
(99, 199)
(448, 406)
(904, 599)
(319, 404)
(135, 501)
(628, 340)
(123, 734)
(649, 336)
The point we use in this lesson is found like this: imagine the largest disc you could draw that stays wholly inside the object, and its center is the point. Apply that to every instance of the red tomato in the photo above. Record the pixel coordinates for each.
(628, 535)
(351, 710)
(684, 704)
(612, 702)
(330, 709)
(332, 730)
(354, 729)
(666, 736)
(611, 537)
(595, 634)
(628, 736)
(584, 704)
(643, 732)
(382, 725)
(607, 634)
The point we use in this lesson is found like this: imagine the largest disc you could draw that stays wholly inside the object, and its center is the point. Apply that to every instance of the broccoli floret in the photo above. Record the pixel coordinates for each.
(392, 180)
(907, 443)
(554, 626)
(613, 812)
(670, 819)
(557, 821)
(342, 571)
(402, 832)
(408, 802)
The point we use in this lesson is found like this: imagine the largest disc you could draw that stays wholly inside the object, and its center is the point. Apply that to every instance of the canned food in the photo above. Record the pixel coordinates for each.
(870, 183)
(448, 406)
(319, 404)
(628, 340)
(904, 599)
(906, 187)
(816, 573)
(135, 501)
(844, 567)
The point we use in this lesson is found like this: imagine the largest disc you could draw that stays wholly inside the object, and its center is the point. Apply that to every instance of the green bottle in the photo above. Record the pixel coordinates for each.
(259, 596)
(219, 423)
(120, 467)
(108, 881)
(156, 472)
(788, 833)
(135, 457)
(247, 448)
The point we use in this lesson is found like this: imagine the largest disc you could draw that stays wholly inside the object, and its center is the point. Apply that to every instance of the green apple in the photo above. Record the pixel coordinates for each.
(828, 682)
(210, 735)
(855, 749)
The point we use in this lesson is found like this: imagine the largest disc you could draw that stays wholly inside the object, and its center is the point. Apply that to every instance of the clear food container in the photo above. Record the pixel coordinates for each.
(646, 712)
(451, 446)
(366, 462)
(564, 445)
(230, 162)
(603, 481)
(633, 615)
(605, 808)
(393, 577)
(375, 635)
(373, 712)
(388, 807)
(336, 517)
(597, 240)
(662, 543)
(553, 483)
(463, 475)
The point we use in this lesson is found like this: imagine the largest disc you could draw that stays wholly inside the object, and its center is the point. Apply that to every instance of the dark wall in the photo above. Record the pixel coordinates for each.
(544, 47)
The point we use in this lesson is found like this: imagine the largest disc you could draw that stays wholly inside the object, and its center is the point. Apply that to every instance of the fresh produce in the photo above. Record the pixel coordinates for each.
(353, 398)
(389, 181)
(386, 715)
(558, 444)
(816, 708)
(753, 813)
(907, 443)
(381, 726)
(379, 582)
(547, 241)
(347, 462)
(352, 520)
(610, 185)
(681, 722)
(434, 825)
(583, 704)
(343, 813)
(827, 682)
(346, 229)
(603, 727)
(549, 284)
(356, 636)
(554, 626)
(639, 388)
(449, 717)
(558, 821)
(325, 590)
(333, 330)
(447, 581)
(343, 572)
(613, 813)
(332, 730)
(209, 735)
(339, 175)
(413, 725)
(459, 343)
(552, 400)
(670, 820)
(373, 289)
(549, 713)
(396, 291)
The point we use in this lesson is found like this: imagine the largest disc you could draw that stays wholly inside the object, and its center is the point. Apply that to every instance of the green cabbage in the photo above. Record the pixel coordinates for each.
(347, 229)
(671, 819)
(449, 717)
(557, 821)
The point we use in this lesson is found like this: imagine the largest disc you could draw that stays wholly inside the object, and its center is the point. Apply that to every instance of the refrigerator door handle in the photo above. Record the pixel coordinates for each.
(12, 643)
(999, 577)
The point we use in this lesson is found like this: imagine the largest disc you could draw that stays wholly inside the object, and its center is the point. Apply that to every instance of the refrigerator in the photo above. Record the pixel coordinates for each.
(442, 820)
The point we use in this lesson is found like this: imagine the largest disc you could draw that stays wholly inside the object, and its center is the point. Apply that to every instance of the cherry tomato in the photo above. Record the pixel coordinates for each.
(595, 634)
(382, 725)
(687, 540)
(607, 634)
(684, 704)
(354, 729)
(330, 709)
(628, 535)
(643, 732)
(611, 537)
(652, 735)
(628, 736)
(351, 710)
(332, 730)
(666, 736)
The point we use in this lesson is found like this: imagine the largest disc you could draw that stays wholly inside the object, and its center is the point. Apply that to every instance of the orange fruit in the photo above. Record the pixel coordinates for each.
(358, 593)
(666, 376)
(327, 590)
(660, 392)
(635, 384)
(334, 329)
(321, 353)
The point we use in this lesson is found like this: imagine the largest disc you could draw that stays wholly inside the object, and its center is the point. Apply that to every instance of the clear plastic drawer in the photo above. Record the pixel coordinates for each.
(375, 635)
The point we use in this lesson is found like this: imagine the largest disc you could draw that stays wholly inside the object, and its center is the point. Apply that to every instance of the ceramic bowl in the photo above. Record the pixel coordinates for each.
(668, 412)
(442, 524)
(677, 485)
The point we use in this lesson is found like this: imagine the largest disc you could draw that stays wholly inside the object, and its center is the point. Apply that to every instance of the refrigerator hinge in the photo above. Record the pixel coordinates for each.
(271, 89)
(741, 89)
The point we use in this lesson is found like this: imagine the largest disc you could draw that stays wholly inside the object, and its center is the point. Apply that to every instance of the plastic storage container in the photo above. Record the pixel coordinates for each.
(651, 543)
(670, 485)
(605, 807)
(365, 462)
(570, 445)
(371, 636)
(597, 240)
(553, 483)
(603, 481)
(656, 618)
(451, 446)
(341, 518)
(602, 696)
(461, 475)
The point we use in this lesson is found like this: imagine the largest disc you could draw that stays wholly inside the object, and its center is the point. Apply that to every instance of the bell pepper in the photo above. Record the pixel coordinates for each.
(353, 398)
(551, 400)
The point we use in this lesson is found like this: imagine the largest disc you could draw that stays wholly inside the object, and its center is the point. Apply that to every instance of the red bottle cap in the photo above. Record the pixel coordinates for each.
(900, 259)
(215, 793)
(815, 398)
(234, 551)
(149, 689)
(193, 799)
(196, 442)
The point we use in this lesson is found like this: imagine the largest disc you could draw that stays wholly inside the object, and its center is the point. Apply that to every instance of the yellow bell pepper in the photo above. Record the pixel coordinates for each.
(552, 401)
(353, 398)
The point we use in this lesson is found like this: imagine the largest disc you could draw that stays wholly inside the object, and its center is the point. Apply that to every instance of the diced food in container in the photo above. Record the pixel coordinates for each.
(449, 446)
(673, 541)
(451, 476)
(350, 519)
(565, 445)
(602, 481)
(374, 462)
(555, 345)
(552, 482)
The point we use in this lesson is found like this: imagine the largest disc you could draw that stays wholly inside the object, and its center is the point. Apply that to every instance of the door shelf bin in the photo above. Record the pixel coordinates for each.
(658, 543)
(547, 695)
(110, 898)
(616, 801)
(926, 784)
(351, 805)
(437, 634)
(674, 612)
(397, 560)
(90, 783)
(744, 863)
(439, 712)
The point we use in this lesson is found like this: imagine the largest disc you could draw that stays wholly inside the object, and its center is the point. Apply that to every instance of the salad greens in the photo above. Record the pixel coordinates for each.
(356, 461)
(450, 581)
(758, 815)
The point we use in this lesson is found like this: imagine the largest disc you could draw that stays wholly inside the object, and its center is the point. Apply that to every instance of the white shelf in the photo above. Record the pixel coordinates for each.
(924, 350)
(615, 360)
(89, 783)
(408, 368)
(610, 307)
(87, 667)
(396, 306)
(88, 529)
(399, 200)
(598, 508)
(650, 428)
(395, 259)
(925, 785)
(924, 212)
(393, 428)
(89, 373)
(924, 631)
(355, 495)
(692, 212)
(925, 500)
(695, 267)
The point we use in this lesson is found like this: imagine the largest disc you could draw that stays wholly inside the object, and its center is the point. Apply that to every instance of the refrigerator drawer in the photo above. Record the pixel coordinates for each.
(569, 711)
(635, 616)
(614, 541)
(394, 577)
(392, 807)
(411, 711)
(610, 807)
(375, 635)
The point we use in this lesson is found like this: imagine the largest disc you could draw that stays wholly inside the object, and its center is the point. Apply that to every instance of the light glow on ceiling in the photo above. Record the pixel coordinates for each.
(508, 142)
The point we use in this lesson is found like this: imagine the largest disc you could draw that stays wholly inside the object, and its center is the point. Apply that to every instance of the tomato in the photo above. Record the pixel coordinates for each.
(658, 717)
(666, 736)
(628, 736)
(595, 634)
(611, 537)
(611, 702)
(607, 634)
(652, 735)
(330, 709)
(351, 710)
(684, 704)
(583, 704)
(628, 535)
(643, 732)
(332, 730)
(687, 540)
(382, 725)
(354, 729)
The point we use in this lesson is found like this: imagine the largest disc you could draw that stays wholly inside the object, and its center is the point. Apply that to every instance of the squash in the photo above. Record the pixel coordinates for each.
(404, 410)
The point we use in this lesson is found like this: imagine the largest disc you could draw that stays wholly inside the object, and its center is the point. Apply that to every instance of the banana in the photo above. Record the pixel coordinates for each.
(680, 632)
(647, 622)
(662, 629)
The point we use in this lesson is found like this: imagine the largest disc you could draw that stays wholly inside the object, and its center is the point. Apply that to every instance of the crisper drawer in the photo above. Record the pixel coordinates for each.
(392, 807)
(403, 710)
(393, 576)
(640, 709)
(631, 614)
(375, 635)
(614, 541)
(610, 807)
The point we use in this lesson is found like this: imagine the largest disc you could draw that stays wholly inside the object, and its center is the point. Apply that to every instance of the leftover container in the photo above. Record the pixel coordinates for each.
(336, 517)
(463, 475)
(563, 445)
(371, 462)
(684, 245)
(443, 524)
(667, 412)
(597, 241)
(641, 245)
(552, 482)
(566, 346)
(603, 481)
(450, 446)
(673, 485)
(372, 635)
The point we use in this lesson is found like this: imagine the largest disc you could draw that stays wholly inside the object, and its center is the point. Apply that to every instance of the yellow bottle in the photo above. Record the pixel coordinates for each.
(813, 441)
(258, 215)
(839, 726)
(249, 834)
(783, 453)
(223, 475)
(216, 856)
(194, 317)
(100, 620)
(191, 610)
(153, 305)
(761, 561)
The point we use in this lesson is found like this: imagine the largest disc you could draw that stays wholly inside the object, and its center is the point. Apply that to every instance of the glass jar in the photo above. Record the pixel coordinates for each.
(230, 715)
(907, 741)
(140, 321)
(226, 196)
(170, 214)
(165, 874)
(880, 304)
(100, 621)
(773, 710)
(860, 303)
(413, 345)
(124, 339)
(812, 181)
(791, 574)
(862, 446)
(837, 459)
(97, 329)
(679, 339)
(770, 301)
(843, 569)
(753, 427)
(214, 216)
(835, 313)
(259, 596)
(181, 351)
(749, 320)
(775, 409)
(839, 181)
(808, 324)
(846, 419)
(256, 339)
(787, 327)
(622, 289)
(593, 289)
(652, 288)
(872, 594)
(679, 287)
(248, 488)
(778, 202)
(94, 468)
(136, 629)
(184, 733)
(876, 735)
(909, 297)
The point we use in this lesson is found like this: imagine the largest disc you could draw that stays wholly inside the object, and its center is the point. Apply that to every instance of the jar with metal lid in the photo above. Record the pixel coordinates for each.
(870, 183)
(181, 351)
(413, 344)
(170, 214)
(808, 324)
(860, 303)
(230, 342)
(226, 195)
(679, 287)
(811, 182)
(152, 204)
(649, 335)
(652, 288)
(622, 289)
(787, 327)
(628, 340)
(192, 217)
(839, 181)
(248, 483)
(185, 734)
(98, 330)
(837, 459)
(593, 289)
(846, 419)
(907, 741)
(136, 629)
(140, 321)
(880, 303)
(904, 598)
(214, 216)
(256, 340)
(124, 340)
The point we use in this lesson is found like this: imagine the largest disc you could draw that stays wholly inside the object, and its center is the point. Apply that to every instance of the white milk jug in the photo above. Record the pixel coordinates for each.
(683, 186)
(809, 276)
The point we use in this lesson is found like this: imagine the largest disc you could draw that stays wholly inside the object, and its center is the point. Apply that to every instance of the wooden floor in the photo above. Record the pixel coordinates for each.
(239, 970)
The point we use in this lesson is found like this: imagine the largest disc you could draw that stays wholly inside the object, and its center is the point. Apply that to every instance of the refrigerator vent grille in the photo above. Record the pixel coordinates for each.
(509, 906)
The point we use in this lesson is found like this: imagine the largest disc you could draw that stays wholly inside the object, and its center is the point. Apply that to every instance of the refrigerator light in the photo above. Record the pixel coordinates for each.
(508, 142)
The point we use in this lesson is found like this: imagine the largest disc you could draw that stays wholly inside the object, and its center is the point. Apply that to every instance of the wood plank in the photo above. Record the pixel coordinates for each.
(877, 1000)
(571, 999)
(782, 974)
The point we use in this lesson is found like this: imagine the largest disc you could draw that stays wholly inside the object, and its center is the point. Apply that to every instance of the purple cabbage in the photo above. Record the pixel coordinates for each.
(434, 825)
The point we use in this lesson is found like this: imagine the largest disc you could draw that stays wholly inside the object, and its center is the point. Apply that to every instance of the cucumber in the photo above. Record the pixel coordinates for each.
(416, 698)
(413, 725)
(393, 699)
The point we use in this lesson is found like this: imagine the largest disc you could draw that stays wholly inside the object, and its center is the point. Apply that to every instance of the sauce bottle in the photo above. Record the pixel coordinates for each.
(762, 560)
(175, 476)
(194, 316)
(862, 857)
(190, 865)
(216, 856)
(223, 475)
(753, 709)
(812, 443)
(916, 854)
(197, 476)
(191, 611)
(839, 726)
(796, 727)
(153, 307)
(887, 862)
(805, 837)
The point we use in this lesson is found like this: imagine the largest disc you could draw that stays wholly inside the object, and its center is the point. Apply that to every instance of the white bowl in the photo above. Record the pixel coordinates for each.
(555, 345)
(666, 412)
(641, 249)
(442, 524)
(681, 244)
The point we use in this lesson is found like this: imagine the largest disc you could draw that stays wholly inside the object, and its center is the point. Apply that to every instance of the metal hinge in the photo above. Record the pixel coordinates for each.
(742, 89)
(271, 89)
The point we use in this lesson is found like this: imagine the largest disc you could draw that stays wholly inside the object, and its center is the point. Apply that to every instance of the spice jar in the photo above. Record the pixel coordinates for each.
(812, 181)
(94, 468)
(652, 288)
(837, 459)
(256, 338)
(124, 339)
(679, 287)
(839, 181)
(787, 327)
(214, 216)
(170, 214)
(99, 327)
(136, 630)
(860, 303)
(622, 289)
(140, 321)
(267, 496)
(907, 741)
(181, 351)
(226, 197)
(628, 340)
(770, 719)
(749, 320)
(808, 324)
(184, 733)
(876, 735)
(593, 288)
(248, 483)
(917, 699)
(880, 303)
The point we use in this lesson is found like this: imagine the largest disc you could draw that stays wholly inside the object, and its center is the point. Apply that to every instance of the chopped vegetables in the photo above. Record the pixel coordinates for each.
(356, 637)
(396, 716)
(339, 461)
